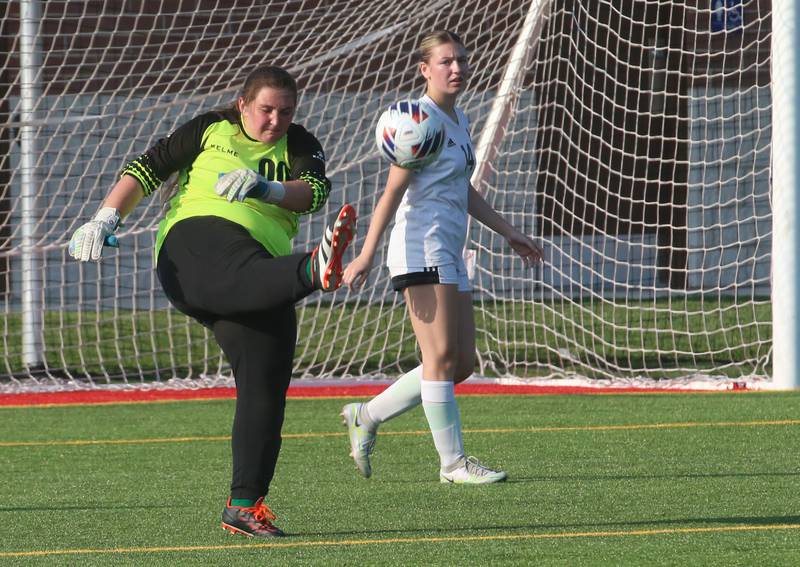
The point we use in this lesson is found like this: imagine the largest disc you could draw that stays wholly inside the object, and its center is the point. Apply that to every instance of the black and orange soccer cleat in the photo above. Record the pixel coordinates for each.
(253, 521)
(326, 259)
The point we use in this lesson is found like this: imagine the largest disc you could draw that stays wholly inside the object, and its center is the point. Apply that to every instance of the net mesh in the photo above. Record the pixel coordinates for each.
(634, 142)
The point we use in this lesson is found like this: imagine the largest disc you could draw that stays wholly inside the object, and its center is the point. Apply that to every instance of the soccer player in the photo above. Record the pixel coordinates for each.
(224, 256)
(430, 208)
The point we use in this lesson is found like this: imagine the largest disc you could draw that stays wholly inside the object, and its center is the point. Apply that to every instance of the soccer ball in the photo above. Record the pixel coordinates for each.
(409, 134)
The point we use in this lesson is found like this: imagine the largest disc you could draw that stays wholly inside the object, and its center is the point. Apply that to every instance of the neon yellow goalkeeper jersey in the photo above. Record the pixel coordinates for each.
(213, 144)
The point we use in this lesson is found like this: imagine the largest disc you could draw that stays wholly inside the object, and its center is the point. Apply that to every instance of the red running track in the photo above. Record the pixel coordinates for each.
(85, 397)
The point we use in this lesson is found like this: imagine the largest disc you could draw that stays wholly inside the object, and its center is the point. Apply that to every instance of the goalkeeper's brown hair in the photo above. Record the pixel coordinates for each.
(267, 76)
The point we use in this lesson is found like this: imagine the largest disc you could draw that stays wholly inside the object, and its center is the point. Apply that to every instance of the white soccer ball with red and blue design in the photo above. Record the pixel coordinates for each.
(409, 134)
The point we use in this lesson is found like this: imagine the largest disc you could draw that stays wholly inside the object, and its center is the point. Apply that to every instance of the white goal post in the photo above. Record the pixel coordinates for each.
(786, 188)
(634, 139)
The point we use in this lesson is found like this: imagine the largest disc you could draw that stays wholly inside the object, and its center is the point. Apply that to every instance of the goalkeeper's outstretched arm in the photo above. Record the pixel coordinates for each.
(125, 195)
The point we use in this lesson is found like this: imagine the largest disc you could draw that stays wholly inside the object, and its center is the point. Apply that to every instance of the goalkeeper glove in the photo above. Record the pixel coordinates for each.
(243, 183)
(87, 242)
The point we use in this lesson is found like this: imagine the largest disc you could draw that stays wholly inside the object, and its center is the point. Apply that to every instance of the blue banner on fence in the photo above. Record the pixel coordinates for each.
(727, 15)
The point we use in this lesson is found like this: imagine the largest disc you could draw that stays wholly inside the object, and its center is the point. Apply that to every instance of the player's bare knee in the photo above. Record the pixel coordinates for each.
(439, 364)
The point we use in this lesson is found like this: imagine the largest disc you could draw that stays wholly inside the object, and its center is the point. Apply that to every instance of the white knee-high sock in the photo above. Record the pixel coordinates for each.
(441, 409)
(401, 396)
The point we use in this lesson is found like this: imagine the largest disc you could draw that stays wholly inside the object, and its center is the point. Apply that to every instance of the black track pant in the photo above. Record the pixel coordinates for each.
(213, 270)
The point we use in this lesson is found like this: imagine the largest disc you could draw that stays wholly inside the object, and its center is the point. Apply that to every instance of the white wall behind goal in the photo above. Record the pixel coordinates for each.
(730, 215)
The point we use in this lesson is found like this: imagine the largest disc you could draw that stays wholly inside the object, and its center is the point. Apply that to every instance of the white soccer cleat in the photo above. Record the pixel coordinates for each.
(469, 470)
(362, 440)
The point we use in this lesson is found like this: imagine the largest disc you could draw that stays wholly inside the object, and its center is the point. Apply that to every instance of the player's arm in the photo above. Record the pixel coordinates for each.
(309, 190)
(356, 273)
(140, 177)
(241, 184)
(305, 193)
(124, 195)
(484, 213)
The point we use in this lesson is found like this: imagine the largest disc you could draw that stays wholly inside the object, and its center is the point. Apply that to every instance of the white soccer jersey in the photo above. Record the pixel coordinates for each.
(430, 225)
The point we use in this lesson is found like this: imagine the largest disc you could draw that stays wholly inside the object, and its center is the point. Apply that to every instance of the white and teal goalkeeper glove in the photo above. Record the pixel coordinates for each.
(87, 242)
(245, 183)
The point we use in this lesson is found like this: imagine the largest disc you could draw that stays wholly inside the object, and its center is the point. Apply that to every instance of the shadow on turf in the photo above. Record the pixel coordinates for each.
(694, 522)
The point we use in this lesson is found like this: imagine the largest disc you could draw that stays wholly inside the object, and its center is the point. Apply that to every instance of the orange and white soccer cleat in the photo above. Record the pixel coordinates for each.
(326, 259)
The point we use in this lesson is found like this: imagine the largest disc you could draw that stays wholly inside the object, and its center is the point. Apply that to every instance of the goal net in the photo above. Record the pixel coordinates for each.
(632, 138)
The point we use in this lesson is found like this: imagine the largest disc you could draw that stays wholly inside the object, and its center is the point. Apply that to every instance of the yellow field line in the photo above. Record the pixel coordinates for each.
(554, 429)
(456, 539)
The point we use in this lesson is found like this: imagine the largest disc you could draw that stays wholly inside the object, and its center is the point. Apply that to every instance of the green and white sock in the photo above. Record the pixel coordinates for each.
(441, 409)
(401, 396)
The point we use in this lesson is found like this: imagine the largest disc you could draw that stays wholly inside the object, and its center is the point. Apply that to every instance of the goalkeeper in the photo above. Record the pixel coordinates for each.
(430, 208)
(224, 256)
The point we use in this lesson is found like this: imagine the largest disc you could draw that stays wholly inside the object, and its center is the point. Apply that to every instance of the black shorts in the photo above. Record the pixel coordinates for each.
(447, 274)
(426, 277)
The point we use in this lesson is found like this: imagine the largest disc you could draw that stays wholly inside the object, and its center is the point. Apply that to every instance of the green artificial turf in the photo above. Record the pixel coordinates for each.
(647, 479)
